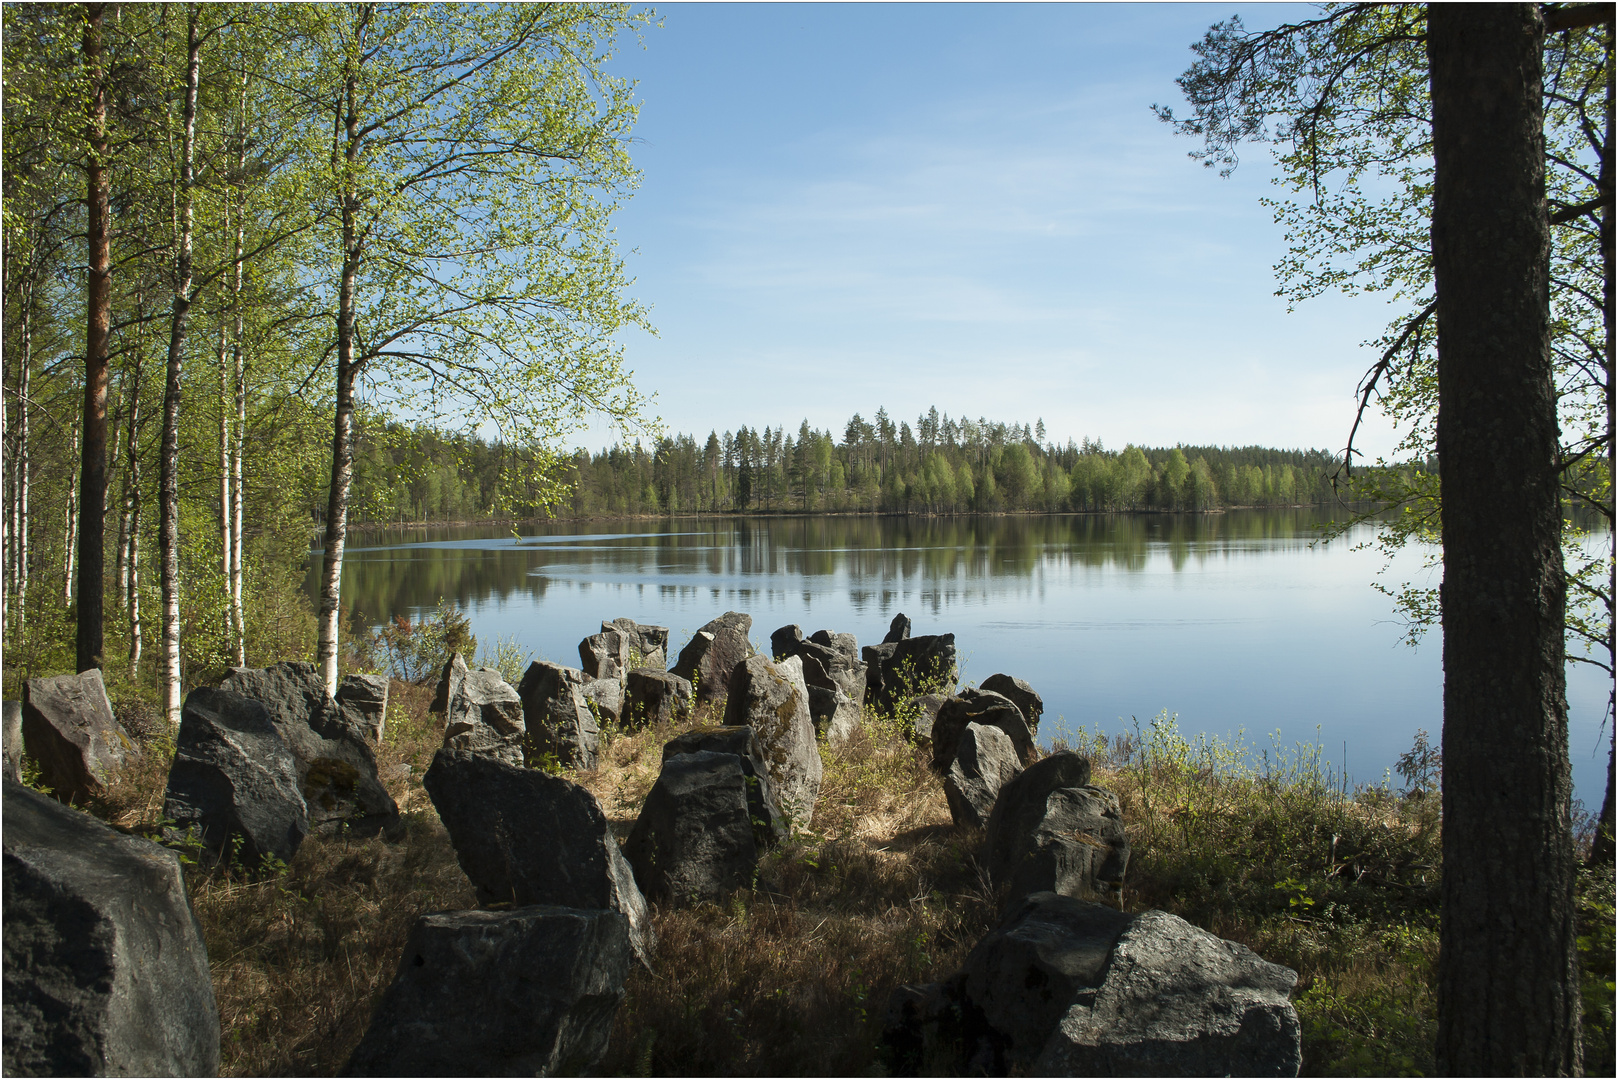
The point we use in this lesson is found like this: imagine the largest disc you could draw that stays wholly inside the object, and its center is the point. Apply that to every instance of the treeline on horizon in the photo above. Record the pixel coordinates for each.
(406, 473)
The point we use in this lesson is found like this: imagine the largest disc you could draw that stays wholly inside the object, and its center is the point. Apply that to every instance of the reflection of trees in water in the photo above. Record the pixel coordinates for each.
(944, 556)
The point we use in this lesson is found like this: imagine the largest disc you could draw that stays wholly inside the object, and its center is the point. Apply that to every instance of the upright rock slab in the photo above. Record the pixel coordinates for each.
(978, 707)
(1052, 831)
(69, 730)
(557, 715)
(527, 992)
(1178, 1001)
(364, 698)
(764, 805)
(235, 781)
(336, 761)
(651, 642)
(1028, 702)
(709, 657)
(605, 655)
(985, 761)
(899, 670)
(106, 973)
(485, 716)
(773, 700)
(655, 697)
(835, 677)
(695, 839)
(526, 837)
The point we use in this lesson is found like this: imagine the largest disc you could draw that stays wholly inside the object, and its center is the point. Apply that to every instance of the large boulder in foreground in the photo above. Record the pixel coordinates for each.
(233, 785)
(526, 837)
(70, 732)
(526, 992)
(985, 761)
(1052, 831)
(764, 806)
(1178, 1001)
(983, 707)
(695, 839)
(106, 973)
(333, 746)
(773, 700)
(557, 715)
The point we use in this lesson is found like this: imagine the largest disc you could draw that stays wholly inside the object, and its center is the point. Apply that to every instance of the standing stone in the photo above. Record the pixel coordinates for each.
(485, 716)
(13, 741)
(764, 805)
(449, 680)
(605, 655)
(784, 642)
(1022, 695)
(106, 973)
(985, 761)
(978, 707)
(69, 729)
(694, 840)
(1052, 831)
(709, 657)
(606, 696)
(336, 760)
(844, 644)
(365, 699)
(526, 837)
(835, 714)
(655, 697)
(730, 620)
(774, 701)
(1178, 1001)
(923, 713)
(527, 992)
(900, 670)
(898, 630)
(557, 715)
(235, 780)
(652, 642)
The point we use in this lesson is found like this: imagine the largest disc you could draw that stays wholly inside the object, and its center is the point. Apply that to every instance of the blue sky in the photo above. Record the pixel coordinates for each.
(846, 206)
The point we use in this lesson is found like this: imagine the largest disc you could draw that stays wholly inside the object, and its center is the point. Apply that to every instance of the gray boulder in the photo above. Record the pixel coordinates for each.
(605, 655)
(985, 761)
(773, 700)
(978, 707)
(922, 713)
(332, 746)
(844, 644)
(1051, 831)
(557, 715)
(695, 839)
(655, 697)
(708, 659)
(448, 680)
(526, 837)
(70, 732)
(784, 642)
(835, 714)
(485, 716)
(606, 697)
(1031, 705)
(106, 973)
(1178, 1001)
(652, 642)
(527, 992)
(730, 620)
(764, 807)
(233, 785)
(365, 699)
(898, 629)
(13, 741)
(899, 670)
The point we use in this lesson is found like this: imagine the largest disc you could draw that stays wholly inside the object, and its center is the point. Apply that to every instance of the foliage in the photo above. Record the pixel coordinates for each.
(416, 651)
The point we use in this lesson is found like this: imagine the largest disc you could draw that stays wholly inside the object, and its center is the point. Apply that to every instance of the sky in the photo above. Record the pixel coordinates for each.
(853, 206)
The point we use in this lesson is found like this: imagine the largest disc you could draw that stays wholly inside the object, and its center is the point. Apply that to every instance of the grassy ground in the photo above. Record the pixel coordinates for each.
(791, 977)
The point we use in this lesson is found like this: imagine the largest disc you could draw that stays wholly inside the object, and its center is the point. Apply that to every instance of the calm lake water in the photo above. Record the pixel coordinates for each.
(1238, 622)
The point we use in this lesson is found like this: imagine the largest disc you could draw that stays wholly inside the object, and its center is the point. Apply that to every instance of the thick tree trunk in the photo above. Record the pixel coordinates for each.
(168, 530)
(93, 454)
(1508, 998)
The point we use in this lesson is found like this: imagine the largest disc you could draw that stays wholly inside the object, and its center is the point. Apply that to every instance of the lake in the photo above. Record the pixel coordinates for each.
(1240, 623)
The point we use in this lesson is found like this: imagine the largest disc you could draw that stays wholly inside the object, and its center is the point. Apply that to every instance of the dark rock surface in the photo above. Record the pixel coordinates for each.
(898, 629)
(448, 679)
(526, 837)
(332, 746)
(730, 620)
(695, 840)
(1051, 831)
(235, 777)
(978, 707)
(773, 700)
(365, 699)
(13, 740)
(1178, 1001)
(557, 715)
(708, 659)
(985, 761)
(764, 807)
(784, 642)
(106, 973)
(655, 697)
(1022, 695)
(652, 642)
(844, 644)
(606, 697)
(835, 714)
(526, 992)
(605, 655)
(70, 732)
(900, 670)
(924, 713)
